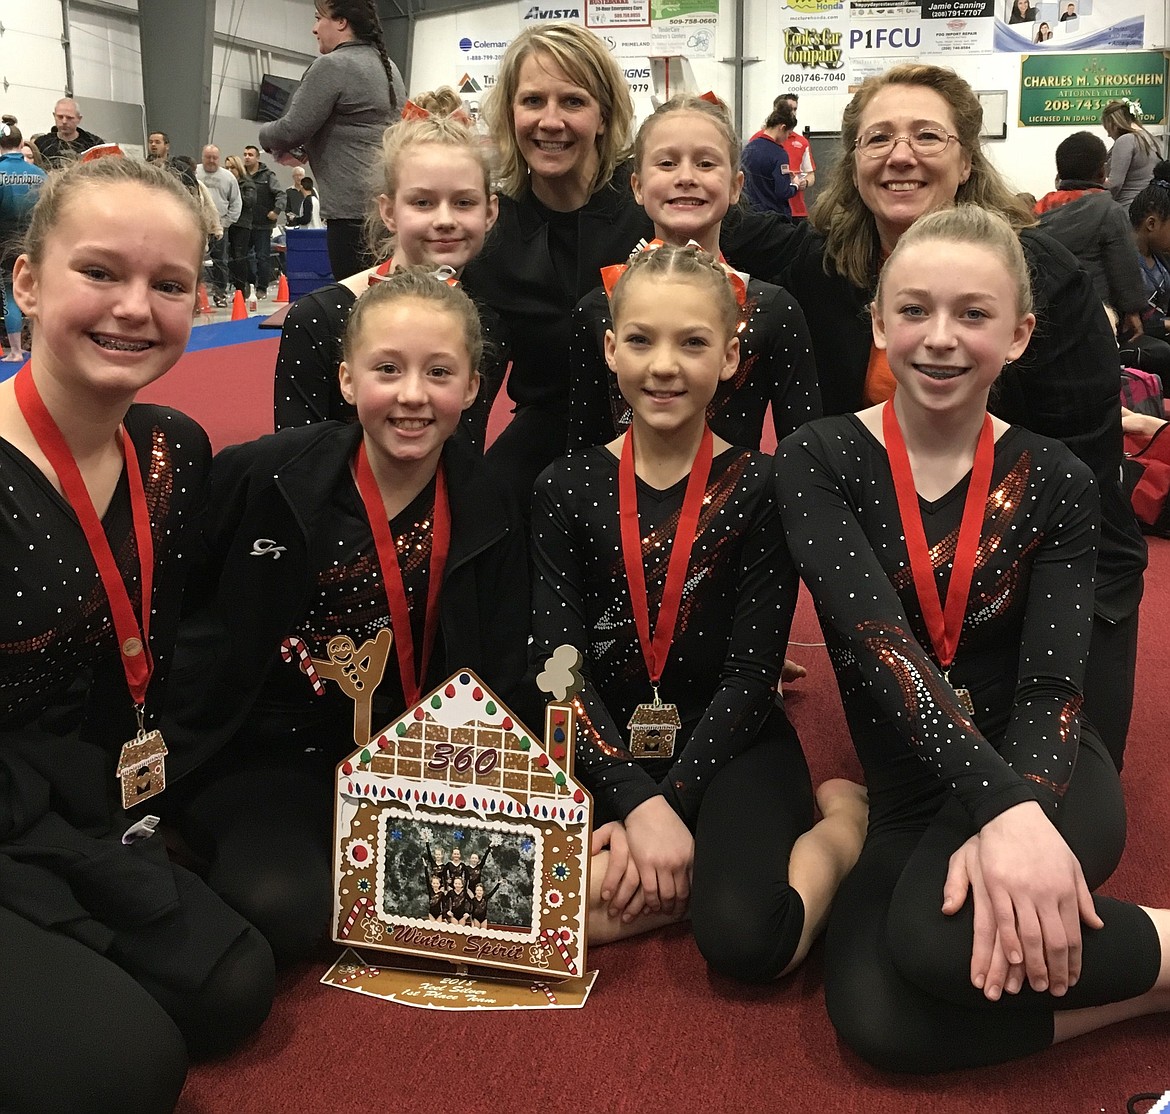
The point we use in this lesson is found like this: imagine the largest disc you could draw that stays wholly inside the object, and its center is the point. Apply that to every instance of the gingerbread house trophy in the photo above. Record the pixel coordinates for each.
(461, 837)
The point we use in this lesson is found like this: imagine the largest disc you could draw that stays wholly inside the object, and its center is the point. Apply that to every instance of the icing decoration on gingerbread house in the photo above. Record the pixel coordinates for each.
(461, 835)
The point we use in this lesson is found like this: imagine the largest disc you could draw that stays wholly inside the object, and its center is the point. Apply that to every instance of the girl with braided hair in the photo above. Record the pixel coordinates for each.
(670, 524)
(686, 174)
(335, 120)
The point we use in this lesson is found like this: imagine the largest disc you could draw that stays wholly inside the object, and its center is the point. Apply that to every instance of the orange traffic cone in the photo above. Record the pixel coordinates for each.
(281, 290)
(239, 309)
(202, 305)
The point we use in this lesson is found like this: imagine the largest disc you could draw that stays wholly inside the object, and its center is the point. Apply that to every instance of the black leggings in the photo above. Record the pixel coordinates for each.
(284, 806)
(345, 242)
(86, 1032)
(897, 971)
(532, 440)
(746, 918)
(1110, 670)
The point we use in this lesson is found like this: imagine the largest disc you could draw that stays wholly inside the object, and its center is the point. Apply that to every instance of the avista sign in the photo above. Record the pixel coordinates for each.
(537, 12)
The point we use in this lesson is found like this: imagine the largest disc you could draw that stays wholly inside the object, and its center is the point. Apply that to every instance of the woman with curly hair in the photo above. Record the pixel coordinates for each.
(912, 145)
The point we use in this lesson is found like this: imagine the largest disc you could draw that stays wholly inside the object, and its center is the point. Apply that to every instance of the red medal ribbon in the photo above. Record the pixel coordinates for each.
(133, 638)
(367, 485)
(655, 649)
(943, 624)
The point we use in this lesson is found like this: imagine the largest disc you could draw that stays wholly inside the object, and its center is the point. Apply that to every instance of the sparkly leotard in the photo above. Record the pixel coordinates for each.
(57, 638)
(738, 777)
(897, 971)
(348, 597)
(732, 625)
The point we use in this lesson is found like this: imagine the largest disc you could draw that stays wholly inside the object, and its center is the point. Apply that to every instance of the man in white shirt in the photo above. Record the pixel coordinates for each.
(225, 192)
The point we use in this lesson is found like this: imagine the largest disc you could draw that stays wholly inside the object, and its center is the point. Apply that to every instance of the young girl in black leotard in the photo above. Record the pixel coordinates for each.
(458, 905)
(434, 207)
(479, 904)
(622, 540)
(475, 867)
(951, 560)
(391, 525)
(113, 959)
(437, 896)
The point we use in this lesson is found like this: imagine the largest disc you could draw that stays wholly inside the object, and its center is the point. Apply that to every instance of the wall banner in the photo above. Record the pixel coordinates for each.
(812, 46)
(683, 27)
(1036, 26)
(1067, 90)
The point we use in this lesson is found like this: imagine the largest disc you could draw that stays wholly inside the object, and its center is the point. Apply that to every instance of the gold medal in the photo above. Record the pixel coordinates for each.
(963, 696)
(653, 728)
(142, 768)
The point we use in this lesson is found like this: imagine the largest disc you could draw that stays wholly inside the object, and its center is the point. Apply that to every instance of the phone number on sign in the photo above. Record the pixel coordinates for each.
(1071, 104)
(818, 75)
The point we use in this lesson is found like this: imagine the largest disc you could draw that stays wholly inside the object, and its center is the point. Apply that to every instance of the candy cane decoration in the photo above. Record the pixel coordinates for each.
(357, 973)
(358, 906)
(537, 987)
(555, 938)
(296, 645)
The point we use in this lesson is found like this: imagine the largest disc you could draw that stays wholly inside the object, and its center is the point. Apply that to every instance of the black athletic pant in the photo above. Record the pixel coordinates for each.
(282, 803)
(109, 1034)
(897, 971)
(746, 918)
(345, 239)
(1110, 670)
(533, 439)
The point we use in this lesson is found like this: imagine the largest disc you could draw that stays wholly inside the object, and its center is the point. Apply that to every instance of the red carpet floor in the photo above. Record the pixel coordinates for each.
(660, 1033)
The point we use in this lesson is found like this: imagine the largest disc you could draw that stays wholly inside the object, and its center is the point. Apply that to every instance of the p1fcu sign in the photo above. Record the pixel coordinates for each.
(885, 40)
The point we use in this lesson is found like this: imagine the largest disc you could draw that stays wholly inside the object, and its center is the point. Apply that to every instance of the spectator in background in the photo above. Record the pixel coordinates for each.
(293, 195)
(32, 154)
(1082, 215)
(800, 159)
(335, 119)
(225, 192)
(1149, 216)
(184, 167)
(768, 178)
(158, 146)
(309, 210)
(239, 235)
(20, 186)
(1134, 150)
(66, 140)
(268, 202)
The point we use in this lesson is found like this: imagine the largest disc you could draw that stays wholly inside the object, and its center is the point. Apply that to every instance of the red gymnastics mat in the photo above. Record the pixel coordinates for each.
(660, 1033)
(223, 381)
